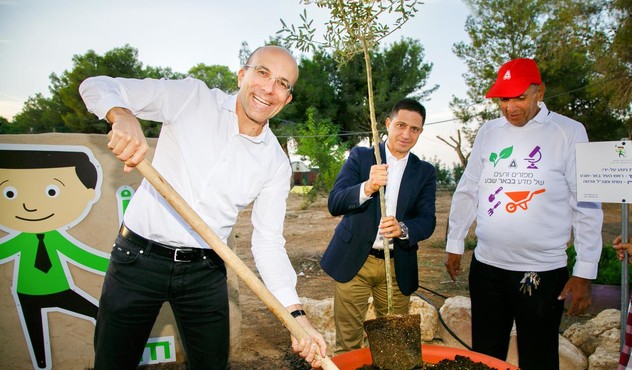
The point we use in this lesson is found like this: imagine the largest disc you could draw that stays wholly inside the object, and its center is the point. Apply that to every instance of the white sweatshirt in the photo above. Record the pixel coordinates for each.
(520, 187)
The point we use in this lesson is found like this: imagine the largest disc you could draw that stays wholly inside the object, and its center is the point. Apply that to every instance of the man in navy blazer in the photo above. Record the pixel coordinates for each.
(355, 255)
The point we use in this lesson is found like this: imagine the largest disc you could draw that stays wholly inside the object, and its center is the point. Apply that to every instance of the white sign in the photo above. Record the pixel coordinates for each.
(604, 171)
(159, 350)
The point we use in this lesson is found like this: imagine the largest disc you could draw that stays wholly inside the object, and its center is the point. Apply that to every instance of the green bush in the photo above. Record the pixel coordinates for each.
(609, 272)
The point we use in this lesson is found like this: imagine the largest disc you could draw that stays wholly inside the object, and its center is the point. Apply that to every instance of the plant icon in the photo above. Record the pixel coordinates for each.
(504, 154)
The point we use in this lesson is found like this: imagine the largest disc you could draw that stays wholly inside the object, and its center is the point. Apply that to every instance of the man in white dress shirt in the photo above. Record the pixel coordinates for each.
(219, 154)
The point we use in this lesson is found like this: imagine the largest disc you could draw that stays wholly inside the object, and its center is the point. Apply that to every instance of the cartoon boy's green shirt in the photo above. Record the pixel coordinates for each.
(35, 282)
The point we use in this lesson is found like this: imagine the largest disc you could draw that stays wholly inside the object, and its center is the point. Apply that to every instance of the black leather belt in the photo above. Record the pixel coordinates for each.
(379, 253)
(176, 254)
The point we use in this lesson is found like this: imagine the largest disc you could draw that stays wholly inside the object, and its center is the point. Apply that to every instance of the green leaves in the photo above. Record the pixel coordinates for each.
(351, 24)
(318, 140)
(504, 154)
(64, 111)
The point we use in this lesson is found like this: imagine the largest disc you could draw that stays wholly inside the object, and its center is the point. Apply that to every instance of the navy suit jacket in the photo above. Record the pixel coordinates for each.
(355, 233)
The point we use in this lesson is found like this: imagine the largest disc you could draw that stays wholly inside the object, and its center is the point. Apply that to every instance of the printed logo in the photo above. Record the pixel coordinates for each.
(534, 157)
(491, 199)
(620, 149)
(159, 350)
(507, 75)
(504, 154)
(520, 199)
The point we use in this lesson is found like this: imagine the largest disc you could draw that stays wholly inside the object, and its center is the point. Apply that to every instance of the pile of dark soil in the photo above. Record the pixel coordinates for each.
(459, 363)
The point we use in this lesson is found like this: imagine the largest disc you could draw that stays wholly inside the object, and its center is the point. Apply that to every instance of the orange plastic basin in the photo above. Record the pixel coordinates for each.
(429, 354)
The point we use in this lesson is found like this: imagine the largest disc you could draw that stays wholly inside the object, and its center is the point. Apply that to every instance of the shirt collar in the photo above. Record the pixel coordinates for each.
(231, 105)
(541, 117)
(391, 157)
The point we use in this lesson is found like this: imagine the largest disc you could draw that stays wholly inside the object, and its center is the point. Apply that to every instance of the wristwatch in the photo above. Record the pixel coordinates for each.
(404, 235)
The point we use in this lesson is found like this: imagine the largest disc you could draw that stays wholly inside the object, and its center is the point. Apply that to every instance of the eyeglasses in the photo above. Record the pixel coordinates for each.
(265, 74)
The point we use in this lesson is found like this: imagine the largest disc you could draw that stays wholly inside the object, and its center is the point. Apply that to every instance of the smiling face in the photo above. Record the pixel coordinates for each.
(260, 96)
(403, 131)
(41, 200)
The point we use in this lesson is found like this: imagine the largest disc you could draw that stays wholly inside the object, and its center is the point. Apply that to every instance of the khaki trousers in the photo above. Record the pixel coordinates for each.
(351, 303)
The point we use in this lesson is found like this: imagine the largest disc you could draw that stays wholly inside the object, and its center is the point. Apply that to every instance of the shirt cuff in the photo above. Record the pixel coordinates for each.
(106, 103)
(586, 270)
(455, 246)
(363, 198)
(287, 296)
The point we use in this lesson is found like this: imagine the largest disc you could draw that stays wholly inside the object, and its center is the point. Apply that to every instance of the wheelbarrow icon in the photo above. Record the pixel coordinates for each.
(520, 199)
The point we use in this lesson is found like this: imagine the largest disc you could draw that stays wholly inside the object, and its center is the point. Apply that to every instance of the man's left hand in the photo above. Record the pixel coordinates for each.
(389, 227)
(312, 348)
(580, 290)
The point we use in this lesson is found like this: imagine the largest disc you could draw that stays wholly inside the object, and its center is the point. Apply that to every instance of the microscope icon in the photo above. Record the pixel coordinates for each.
(534, 157)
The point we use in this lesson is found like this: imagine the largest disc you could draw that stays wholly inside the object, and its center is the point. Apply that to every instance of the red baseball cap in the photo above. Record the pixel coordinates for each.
(514, 77)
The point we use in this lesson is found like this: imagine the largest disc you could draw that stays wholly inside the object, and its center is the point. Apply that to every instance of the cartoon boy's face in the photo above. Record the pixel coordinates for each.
(42, 199)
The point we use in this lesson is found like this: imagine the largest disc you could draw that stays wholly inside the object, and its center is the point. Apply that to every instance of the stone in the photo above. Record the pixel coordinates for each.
(321, 314)
(586, 336)
(571, 357)
(603, 359)
(457, 315)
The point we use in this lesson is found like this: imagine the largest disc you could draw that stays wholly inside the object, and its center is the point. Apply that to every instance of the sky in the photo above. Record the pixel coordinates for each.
(40, 37)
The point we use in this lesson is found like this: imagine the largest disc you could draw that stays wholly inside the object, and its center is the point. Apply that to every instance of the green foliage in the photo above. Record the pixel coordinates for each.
(5, 126)
(499, 31)
(215, 76)
(65, 111)
(119, 62)
(614, 64)
(39, 115)
(354, 28)
(444, 174)
(576, 51)
(609, 270)
(457, 172)
(470, 243)
(339, 92)
(567, 59)
(317, 139)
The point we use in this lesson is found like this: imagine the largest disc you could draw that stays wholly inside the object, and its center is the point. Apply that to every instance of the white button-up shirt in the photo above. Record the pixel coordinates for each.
(217, 170)
(395, 172)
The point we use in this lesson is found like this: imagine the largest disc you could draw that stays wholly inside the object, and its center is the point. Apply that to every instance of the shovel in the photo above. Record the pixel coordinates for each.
(229, 257)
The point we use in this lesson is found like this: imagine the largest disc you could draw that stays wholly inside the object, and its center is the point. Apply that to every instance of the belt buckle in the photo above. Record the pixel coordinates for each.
(183, 250)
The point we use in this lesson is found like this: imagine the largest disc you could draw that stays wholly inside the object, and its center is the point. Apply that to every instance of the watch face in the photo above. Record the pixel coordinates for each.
(404, 230)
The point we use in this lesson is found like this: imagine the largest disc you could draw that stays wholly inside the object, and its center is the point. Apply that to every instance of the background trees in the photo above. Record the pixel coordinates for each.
(582, 47)
(64, 111)
(339, 92)
(579, 47)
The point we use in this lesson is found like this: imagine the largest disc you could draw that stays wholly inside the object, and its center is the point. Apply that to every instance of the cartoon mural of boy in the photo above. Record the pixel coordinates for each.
(45, 190)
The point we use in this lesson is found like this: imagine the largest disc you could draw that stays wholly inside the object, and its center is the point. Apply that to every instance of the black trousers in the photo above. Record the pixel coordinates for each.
(497, 301)
(137, 283)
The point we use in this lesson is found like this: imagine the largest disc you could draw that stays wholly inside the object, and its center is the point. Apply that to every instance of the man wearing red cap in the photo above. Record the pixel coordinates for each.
(520, 187)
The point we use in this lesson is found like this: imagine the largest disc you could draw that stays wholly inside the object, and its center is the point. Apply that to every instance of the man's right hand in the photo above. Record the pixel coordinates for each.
(377, 179)
(453, 265)
(127, 140)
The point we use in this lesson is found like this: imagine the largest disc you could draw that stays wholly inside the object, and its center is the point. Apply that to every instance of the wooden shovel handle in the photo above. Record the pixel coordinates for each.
(229, 257)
